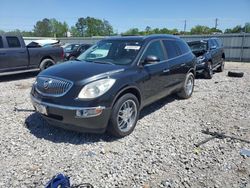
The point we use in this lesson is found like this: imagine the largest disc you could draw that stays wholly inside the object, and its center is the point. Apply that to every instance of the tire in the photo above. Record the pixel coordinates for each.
(235, 74)
(188, 87)
(208, 74)
(123, 105)
(222, 65)
(46, 63)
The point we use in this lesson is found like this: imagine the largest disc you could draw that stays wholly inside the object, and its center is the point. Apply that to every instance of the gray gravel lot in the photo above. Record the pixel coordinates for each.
(159, 153)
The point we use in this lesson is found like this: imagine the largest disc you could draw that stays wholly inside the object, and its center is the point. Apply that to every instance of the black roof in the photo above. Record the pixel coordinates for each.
(142, 38)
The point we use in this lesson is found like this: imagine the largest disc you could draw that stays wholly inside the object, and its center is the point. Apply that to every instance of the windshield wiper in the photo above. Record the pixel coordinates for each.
(101, 62)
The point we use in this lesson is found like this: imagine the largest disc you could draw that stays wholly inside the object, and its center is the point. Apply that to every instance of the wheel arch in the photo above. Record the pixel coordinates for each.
(128, 89)
(46, 57)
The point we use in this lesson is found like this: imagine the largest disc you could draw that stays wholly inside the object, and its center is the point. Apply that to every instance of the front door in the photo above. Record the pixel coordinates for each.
(154, 74)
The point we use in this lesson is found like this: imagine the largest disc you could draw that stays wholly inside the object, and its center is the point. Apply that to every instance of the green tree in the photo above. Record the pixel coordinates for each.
(132, 31)
(43, 28)
(107, 28)
(200, 29)
(81, 26)
(58, 29)
(215, 30)
(247, 27)
(75, 32)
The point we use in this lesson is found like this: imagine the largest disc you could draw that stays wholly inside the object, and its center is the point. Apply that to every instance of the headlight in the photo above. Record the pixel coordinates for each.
(96, 89)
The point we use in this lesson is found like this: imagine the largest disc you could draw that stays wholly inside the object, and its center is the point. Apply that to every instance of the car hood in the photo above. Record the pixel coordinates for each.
(81, 71)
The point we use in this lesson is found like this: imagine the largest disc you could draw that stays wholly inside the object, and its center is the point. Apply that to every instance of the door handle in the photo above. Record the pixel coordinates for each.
(183, 64)
(166, 70)
(21, 52)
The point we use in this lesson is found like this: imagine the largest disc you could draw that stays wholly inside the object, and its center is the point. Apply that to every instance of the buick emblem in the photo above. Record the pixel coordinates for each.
(47, 83)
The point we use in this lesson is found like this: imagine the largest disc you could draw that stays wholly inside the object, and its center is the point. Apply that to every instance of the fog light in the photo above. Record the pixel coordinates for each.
(89, 112)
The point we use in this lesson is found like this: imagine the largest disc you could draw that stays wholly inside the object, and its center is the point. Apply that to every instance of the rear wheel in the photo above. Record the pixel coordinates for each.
(208, 74)
(124, 116)
(188, 87)
(46, 63)
(222, 65)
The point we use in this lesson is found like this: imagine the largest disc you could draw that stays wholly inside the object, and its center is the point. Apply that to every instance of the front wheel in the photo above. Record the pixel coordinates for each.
(124, 116)
(222, 65)
(208, 74)
(188, 87)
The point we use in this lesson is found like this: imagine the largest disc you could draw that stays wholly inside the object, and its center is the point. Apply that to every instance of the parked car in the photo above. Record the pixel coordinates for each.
(15, 57)
(108, 85)
(210, 54)
(72, 51)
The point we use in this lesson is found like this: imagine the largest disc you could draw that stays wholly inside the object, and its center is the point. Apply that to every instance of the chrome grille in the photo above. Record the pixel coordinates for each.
(52, 86)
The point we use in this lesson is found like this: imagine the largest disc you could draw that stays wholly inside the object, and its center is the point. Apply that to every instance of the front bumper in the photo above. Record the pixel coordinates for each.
(201, 67)
(68, 117)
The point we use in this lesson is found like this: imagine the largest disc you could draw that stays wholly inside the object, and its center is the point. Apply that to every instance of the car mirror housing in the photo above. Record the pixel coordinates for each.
(151, 59)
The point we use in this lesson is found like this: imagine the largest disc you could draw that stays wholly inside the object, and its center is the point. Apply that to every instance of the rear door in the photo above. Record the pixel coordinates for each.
(176, 64)
(213, 51)
(13, 55)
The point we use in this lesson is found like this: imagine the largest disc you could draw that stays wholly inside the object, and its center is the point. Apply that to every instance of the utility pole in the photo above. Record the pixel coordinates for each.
(185, 25)
(216, 23)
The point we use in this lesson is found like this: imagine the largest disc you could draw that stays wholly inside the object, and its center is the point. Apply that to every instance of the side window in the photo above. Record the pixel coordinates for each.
(155, 49)
(183, 47)
(171, 48)
(13, 42)
(1, 42)
(219, 43)
(214, 43)
(211, 43)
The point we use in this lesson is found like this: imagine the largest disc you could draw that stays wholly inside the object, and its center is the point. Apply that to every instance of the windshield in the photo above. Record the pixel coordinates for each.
(119, 52)
(198, 46)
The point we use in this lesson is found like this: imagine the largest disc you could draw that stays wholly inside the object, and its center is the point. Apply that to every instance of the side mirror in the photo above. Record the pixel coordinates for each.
(151, 59)
(213, 47)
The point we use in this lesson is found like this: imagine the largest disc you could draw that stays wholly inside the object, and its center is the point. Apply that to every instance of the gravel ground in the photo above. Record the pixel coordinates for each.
(159, 153)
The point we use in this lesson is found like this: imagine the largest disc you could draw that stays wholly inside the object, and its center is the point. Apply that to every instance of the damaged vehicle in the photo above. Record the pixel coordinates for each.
(210, 56)
(16, 57)
(106, 86)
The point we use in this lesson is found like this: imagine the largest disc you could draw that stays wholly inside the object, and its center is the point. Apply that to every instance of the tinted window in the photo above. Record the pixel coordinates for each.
(1, 42)
(213, 43)
(154, 49)
(171, 48)
(13, 42)
(183, 47)
(218, 42)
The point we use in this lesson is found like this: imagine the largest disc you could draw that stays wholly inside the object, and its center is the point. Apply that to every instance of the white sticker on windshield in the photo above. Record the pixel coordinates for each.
(132, 47)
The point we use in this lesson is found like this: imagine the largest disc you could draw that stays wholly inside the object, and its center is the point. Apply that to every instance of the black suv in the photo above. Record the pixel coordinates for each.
(72, 51)
(210, 54)
(108, 85)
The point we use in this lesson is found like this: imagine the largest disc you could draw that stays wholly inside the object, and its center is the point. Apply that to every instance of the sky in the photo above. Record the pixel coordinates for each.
(126, 14)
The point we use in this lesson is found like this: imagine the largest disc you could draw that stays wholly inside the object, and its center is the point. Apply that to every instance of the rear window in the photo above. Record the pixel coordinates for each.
(13, 42)
(171, 48)
(1, 42)
(184, 48)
